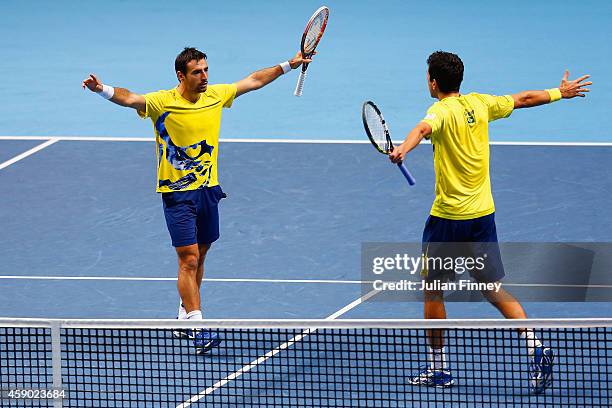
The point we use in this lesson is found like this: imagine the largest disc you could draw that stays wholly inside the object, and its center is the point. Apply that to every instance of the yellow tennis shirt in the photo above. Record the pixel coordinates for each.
(460, 138)
(187, 136)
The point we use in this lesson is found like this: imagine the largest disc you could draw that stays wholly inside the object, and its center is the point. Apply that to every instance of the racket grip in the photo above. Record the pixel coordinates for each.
(406, 174)
(300, 84)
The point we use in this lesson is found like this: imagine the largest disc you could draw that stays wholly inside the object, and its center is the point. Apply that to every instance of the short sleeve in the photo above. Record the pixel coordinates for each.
(155, 105)
(229, 94)
(499, 106)
(225, 92)
(435, 119)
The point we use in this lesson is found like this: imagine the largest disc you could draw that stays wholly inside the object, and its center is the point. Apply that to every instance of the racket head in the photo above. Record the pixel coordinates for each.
(376, 128)
(314, 31)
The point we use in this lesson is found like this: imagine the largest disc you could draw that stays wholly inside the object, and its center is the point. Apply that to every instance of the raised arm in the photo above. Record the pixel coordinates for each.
(415, 136)
(567, 90)
(120, 96)
(263, 77)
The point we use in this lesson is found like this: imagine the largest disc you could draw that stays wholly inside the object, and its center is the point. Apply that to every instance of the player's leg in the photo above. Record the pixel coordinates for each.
(188, 288)
(486, 247)
(207, 232)
(182, 312)
(189, 291)
(436, 372)
(202, 251)
(180, 215)
(507, 304)
(434, 308)
(192, 217)
(207, 223)
(541, 357)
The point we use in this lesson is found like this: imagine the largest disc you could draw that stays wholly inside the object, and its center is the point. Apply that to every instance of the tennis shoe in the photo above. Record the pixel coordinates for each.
(541, 369)
(433, 378)
(204, 340)
(183, 333)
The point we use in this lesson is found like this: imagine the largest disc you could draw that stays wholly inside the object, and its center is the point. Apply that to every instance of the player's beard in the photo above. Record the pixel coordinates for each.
(202, 87)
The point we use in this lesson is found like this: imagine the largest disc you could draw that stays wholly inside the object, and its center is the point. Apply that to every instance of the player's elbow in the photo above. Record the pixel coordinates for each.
(129, 102)
(521, 100)
(248, 84)
(424, 130)
(255, 83)
(132, 101)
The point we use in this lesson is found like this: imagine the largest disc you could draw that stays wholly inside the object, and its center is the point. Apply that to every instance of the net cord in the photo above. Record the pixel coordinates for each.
(308, 323)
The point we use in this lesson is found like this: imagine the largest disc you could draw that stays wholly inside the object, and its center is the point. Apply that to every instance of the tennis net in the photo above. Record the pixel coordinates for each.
(290, 363)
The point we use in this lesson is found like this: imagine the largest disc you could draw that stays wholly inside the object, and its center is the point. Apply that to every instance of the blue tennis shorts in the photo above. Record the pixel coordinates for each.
(192, 217)
(471, 244)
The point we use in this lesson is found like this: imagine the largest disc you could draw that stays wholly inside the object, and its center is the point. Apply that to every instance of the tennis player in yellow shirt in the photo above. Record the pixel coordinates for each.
(463, 210)
(187, 120)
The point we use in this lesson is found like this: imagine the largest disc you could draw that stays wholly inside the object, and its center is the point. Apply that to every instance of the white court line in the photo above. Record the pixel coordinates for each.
(121, 278)
(310, 141)
(272, 353)
(30, 152)
(263, 280)
(81, 138)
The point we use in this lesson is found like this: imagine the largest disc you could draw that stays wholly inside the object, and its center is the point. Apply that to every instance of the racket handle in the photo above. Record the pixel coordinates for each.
(300, 84)
(407, 174)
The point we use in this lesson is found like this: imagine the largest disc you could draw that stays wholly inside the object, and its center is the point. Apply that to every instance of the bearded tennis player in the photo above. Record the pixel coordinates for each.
(186, 120)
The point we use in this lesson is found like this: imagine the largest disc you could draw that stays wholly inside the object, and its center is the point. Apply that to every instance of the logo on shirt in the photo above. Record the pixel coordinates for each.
(469, 117)
(183, 158)
(430, 116)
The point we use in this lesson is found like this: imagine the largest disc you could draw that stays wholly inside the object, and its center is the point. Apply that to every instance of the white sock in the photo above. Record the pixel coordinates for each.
(532, 341)
(194, 315)
(437, 358)
(182, 313)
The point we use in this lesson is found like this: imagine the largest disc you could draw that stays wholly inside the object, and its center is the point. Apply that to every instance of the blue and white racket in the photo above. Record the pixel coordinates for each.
(377, 131)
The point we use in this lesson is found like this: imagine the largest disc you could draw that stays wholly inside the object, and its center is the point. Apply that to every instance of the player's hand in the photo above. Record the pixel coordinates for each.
(299, 60)
(398, 154)
(92, 83)
(571, 89)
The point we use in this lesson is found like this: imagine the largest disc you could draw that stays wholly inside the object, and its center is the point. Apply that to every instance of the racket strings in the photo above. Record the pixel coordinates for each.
(376, 128)
(315, 31)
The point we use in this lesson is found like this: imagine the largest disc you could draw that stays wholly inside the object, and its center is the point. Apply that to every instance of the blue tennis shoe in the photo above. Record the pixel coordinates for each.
(541, 369)
(204, 340)
(433, 378)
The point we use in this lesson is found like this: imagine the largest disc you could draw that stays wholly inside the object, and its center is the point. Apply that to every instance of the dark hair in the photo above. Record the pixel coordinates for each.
(447, 69)
(188, 54)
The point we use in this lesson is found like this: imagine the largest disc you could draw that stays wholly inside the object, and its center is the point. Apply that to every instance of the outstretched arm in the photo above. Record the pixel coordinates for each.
(264, 76)
(567, 90)
(120, 96)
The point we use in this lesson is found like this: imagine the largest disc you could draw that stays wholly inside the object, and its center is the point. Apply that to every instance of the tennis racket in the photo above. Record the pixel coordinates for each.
(378, 133)
(310, 39)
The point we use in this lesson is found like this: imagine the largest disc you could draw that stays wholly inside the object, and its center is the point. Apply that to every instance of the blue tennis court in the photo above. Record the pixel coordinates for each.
(79, 257)
(86, 230)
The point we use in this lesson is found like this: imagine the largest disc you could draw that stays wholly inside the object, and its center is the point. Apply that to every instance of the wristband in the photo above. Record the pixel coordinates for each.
(107, 92)
(554, 93)
(285, 66)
